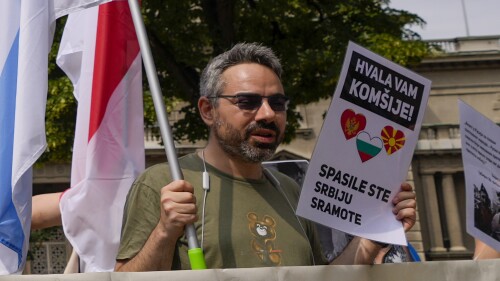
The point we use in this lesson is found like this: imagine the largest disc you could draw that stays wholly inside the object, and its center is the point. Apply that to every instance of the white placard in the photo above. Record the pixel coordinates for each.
(481, 158)
(365, 147)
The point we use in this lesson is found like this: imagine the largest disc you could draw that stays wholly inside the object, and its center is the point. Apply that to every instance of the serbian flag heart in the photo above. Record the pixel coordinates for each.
(352, 123)
(368, 147)
(393, 139)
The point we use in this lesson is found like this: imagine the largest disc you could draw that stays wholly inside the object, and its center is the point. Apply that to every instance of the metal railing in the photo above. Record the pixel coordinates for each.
(467, 44)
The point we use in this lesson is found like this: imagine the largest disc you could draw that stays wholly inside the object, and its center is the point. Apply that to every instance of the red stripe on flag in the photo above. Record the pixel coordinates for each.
(115, 29)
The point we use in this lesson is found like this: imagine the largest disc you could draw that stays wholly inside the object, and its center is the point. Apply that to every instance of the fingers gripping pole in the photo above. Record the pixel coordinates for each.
(195, 253)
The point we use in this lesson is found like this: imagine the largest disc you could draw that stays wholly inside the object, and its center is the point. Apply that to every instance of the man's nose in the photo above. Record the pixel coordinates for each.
(265, 112)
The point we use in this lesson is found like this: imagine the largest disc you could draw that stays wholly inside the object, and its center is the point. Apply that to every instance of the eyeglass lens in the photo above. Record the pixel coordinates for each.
(277, 102)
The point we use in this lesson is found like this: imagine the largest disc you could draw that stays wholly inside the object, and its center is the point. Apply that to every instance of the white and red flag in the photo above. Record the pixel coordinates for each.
(99, 52)
(26, 29)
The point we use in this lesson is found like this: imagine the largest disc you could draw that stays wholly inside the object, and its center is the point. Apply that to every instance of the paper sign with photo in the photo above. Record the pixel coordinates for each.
(481, 157)
(365, 147)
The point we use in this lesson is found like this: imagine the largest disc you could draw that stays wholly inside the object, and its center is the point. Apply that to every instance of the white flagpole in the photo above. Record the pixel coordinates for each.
(465, 19)
(195, 253)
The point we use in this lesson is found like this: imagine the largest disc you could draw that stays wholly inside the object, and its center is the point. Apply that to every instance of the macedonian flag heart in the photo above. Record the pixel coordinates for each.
(393, 139)
(368, 147)
(352, 123)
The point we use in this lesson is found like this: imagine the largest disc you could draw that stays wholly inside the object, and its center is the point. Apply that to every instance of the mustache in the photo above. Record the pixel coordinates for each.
(262, 125)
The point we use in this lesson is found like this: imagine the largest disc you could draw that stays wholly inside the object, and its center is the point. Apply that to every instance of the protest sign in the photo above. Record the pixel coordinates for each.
(365, 147)
(481, 157)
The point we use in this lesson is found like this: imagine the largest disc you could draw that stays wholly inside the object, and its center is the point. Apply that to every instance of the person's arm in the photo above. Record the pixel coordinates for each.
(364, 251)
(157, 254)
(178, 208)
(45, 211)
(379, 258)
(483, 251)
(358, 251)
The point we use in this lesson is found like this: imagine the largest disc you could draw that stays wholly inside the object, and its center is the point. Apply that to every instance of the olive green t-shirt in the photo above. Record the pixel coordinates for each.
(248, 223)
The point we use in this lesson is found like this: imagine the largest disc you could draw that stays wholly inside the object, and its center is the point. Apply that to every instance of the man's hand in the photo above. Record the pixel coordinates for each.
(404, 206)
(362, 250)
(178, 208)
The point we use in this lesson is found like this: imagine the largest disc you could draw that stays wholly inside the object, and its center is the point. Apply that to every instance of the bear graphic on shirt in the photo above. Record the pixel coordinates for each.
(264, 234)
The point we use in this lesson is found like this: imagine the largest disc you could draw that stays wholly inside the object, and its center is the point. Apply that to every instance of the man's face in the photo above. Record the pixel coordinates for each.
(249, 134)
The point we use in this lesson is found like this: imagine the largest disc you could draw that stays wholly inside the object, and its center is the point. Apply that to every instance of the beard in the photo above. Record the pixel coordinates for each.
(238, 145)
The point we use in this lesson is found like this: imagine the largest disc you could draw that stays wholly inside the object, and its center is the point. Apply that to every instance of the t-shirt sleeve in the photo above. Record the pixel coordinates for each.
(141, 215)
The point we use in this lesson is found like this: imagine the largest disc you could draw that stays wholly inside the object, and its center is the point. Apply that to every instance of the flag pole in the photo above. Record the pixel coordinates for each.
(195, 253)
(465, 19)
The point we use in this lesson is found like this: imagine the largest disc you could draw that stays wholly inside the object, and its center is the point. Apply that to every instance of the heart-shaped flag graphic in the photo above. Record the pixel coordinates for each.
(368, 147)
(352, 123)
(393, 139)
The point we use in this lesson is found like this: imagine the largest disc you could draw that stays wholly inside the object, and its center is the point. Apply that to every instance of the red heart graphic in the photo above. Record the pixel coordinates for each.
(352, 123)
(393, 139)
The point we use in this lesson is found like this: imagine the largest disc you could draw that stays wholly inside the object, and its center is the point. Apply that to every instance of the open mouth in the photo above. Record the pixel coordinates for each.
(264, 135)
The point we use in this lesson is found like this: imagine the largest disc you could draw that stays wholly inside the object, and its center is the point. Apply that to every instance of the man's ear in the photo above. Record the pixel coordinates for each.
(206, 110)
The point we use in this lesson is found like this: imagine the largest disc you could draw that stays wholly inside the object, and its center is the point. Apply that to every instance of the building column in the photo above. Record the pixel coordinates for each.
(432, 213)
(452, 214)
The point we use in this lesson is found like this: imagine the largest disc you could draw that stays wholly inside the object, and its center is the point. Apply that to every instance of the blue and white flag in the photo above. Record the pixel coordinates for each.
(25, 40)
(24, 48)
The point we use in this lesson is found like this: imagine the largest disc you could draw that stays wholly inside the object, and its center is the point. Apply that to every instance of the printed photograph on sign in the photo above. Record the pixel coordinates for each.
(487, 211)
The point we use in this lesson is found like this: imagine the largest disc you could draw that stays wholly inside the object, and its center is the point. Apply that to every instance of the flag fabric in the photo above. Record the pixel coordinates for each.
(26, 29)
(24, 48)
(99, 52)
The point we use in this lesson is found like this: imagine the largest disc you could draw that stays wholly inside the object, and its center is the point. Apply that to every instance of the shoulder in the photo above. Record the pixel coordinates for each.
(154, 177)
(157, 176)
(288, 185)
(281, 176)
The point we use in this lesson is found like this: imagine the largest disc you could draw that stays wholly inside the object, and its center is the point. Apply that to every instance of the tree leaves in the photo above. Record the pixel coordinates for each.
(309, 36)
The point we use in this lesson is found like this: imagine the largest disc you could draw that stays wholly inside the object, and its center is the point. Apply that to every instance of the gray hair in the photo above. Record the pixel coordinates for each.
(211, 83)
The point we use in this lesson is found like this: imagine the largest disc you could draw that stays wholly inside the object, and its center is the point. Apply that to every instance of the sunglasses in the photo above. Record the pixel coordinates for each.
(277, 102)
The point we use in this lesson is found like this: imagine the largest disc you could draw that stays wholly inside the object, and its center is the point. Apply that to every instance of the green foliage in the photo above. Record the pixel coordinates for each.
(309, 36)
(60, 121)
(61, 109)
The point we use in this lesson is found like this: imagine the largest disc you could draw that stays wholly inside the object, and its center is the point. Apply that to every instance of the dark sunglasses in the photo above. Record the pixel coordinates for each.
(277, 102)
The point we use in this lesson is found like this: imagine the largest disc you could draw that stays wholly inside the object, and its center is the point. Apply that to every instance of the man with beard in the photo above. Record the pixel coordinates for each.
(248, 217)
